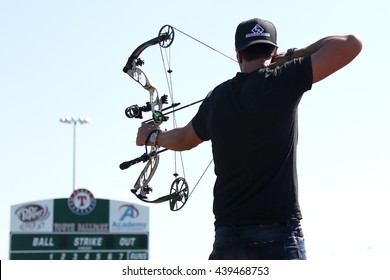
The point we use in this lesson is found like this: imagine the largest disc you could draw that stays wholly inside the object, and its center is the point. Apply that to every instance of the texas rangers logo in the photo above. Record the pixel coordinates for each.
(81, 202)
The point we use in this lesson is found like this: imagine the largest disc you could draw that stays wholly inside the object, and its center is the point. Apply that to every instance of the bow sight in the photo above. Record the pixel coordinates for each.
(135, 111)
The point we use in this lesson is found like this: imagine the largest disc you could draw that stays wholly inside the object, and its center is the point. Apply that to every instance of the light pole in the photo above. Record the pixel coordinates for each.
(74, 121)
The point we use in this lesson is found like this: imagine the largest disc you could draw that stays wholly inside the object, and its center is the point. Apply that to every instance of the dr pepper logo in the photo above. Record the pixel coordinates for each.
(32, 216)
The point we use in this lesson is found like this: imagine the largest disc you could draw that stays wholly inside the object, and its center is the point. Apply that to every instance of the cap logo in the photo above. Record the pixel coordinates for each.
(258, 30)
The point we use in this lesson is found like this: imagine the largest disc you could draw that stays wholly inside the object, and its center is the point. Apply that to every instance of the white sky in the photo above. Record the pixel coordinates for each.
(62, 58)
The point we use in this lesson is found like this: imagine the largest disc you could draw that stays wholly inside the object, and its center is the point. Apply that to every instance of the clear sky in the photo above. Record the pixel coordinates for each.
(65, 58)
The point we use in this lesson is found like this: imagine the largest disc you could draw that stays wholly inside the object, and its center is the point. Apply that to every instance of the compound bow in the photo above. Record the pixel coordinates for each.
(179, 192)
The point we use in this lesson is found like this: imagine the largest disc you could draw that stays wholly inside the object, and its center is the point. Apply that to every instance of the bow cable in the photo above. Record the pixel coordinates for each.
(166, 60)
(204, 44)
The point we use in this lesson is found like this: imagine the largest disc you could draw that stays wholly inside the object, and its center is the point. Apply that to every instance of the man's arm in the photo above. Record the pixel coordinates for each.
(330, 54)
(177, 139)
(327, 55)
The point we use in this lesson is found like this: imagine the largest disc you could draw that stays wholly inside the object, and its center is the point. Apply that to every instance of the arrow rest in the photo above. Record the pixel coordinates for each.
(159, 117)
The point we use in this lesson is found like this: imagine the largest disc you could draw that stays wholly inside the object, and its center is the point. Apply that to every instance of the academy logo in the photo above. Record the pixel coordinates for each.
(258, 30)
(128, 218)
(128, 211)
(81, 202)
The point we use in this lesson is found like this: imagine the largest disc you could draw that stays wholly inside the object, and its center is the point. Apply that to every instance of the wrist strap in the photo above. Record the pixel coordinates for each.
(157, 131)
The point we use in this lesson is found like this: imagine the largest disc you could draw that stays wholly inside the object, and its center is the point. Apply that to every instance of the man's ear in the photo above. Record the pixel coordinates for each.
(239, 57)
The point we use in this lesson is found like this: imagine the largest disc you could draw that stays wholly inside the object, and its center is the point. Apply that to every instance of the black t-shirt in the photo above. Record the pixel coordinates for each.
(252, 122)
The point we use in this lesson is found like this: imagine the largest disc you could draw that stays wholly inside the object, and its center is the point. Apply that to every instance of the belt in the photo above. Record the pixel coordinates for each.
(272, 225)
(281, 224)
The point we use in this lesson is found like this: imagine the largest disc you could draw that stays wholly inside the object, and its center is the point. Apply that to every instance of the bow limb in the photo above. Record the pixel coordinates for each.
(179, 192)
(141, 187)
(178, 195)
(164, 39)
(132, 68)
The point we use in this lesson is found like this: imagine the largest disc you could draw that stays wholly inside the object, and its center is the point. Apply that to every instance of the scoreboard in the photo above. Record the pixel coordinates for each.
(79, 229)
(79, 246)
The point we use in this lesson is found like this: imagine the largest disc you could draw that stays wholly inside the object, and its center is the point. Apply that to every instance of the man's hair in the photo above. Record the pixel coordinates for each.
(257, 51)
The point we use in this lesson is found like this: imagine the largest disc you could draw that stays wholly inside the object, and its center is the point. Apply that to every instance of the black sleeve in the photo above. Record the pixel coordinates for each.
(200, 121)
(297, 77)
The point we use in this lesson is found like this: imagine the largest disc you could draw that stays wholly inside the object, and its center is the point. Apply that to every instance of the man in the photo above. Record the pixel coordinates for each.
(251, 121)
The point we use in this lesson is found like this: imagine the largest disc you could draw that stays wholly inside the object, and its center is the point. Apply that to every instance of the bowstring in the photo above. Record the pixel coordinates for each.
(166, 60)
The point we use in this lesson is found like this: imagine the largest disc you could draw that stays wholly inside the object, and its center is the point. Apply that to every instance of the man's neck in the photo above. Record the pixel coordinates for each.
(250, 66)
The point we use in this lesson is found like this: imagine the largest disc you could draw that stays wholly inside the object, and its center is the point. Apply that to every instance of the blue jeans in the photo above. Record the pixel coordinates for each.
(272, 242)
